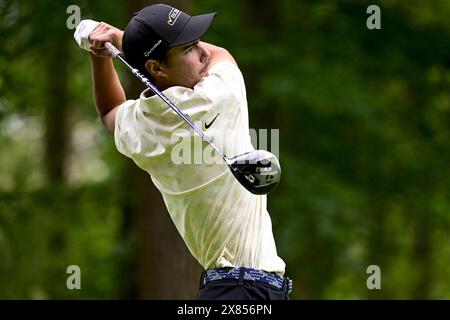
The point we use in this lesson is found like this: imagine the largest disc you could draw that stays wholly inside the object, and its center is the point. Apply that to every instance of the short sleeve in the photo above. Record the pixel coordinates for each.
(135, 134)
(224, 84)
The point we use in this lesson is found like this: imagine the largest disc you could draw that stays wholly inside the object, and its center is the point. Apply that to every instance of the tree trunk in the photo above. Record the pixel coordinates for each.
(164, 267)
(57, 131)
(422, 250)
(378, 247)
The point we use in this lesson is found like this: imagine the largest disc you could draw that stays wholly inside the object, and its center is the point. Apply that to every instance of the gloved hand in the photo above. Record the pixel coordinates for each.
(81, 35)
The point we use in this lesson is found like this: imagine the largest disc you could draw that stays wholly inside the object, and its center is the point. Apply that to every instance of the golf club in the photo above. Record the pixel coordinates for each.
(258, 171)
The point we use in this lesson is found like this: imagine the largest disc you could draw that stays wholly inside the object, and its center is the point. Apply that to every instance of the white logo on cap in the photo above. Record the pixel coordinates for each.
(173, 16)
(149, 52)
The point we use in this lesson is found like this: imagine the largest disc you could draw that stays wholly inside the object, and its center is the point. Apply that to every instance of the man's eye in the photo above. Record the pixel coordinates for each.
(190, 49)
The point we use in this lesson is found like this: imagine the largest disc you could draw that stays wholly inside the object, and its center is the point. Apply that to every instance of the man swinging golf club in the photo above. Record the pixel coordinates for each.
(226, 228)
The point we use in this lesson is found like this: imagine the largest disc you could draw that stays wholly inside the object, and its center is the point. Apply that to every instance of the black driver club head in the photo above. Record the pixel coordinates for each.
(258, 171)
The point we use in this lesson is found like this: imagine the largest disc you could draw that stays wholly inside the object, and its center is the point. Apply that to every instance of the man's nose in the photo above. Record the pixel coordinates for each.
(204, 54)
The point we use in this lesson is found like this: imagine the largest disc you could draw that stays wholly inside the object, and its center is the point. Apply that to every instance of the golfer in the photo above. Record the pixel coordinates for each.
(226, 228)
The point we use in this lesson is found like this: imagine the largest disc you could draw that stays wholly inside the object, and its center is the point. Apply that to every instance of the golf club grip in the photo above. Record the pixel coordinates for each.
(111, 49)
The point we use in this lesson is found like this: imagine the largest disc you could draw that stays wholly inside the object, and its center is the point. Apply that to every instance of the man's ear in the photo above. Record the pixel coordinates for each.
(155, 69)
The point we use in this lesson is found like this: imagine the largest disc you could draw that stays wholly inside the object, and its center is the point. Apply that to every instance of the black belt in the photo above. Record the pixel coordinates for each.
(249, 274)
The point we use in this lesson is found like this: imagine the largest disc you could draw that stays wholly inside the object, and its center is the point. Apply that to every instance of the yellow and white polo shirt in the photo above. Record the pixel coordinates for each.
(222, 223)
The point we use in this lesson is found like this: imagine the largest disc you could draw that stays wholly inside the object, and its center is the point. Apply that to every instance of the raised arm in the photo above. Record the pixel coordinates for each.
(218, 54)
(107, 89)
(108, 92)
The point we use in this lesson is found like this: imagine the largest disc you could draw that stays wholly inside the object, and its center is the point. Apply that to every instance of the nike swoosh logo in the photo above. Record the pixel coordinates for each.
(209, 125)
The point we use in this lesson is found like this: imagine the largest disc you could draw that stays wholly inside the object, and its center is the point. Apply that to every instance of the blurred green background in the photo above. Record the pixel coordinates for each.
(364, 119)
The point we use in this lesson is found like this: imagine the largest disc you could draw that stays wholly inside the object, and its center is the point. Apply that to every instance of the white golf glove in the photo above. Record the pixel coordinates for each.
(81, 35)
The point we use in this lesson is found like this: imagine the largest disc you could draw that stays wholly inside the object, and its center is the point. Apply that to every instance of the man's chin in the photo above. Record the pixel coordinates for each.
(205, 71)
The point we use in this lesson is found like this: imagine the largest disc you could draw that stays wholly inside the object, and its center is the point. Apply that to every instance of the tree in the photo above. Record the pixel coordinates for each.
(164, 267)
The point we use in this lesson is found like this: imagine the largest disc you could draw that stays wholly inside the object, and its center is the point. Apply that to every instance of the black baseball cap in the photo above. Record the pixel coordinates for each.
(157, 28)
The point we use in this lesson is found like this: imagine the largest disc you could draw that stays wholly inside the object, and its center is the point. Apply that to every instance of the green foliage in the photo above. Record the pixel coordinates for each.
(44, 232)
(364, 146)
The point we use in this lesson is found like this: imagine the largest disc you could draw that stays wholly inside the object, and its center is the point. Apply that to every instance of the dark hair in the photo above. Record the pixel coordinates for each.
(163, 58)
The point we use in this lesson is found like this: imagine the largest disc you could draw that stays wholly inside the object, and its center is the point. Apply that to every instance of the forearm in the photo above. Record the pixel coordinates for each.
(108, 92)
(218, 54)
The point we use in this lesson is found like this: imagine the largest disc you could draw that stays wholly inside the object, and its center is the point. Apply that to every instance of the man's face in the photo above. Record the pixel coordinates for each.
(186, 65)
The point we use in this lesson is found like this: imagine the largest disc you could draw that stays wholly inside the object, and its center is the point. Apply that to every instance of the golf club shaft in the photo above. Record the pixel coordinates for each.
(116, 53)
